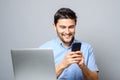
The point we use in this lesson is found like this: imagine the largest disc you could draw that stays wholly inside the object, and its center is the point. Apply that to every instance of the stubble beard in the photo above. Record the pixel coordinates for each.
(61, 37)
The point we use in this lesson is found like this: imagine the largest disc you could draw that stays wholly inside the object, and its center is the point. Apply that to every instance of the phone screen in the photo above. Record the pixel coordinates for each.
(76, 46)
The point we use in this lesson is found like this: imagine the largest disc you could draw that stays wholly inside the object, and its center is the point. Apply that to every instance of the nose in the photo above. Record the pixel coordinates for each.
(67, 31)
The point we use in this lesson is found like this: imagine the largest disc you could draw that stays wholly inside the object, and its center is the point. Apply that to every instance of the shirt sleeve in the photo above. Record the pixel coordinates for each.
(91, 60)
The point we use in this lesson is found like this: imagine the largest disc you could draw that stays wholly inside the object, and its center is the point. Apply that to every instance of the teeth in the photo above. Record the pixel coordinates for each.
(66, 36)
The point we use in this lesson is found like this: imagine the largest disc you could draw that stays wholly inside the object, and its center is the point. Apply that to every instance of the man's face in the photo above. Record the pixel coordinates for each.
(65, 29)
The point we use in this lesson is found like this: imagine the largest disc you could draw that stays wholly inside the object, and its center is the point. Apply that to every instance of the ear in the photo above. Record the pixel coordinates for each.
(54, 27)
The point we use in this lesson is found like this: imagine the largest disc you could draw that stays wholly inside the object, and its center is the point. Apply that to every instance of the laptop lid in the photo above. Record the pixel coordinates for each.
(33, 64)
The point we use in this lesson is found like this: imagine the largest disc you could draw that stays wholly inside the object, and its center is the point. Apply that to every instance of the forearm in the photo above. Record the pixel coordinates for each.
(88, 75)
(59, 69)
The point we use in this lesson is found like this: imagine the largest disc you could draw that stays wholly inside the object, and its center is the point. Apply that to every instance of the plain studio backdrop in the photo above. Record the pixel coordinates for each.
(29, 24)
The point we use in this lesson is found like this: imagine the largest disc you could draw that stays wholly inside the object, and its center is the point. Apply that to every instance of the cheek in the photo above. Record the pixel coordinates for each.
(72, 30)
(60, 30)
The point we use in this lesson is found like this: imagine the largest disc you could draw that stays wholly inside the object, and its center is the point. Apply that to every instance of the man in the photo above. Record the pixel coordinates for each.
(70, 65)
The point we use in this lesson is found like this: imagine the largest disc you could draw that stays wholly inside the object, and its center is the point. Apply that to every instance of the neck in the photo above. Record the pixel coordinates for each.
(66, 44)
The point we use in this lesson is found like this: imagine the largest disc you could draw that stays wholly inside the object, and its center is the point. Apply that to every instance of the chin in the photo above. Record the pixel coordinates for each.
(68, 41)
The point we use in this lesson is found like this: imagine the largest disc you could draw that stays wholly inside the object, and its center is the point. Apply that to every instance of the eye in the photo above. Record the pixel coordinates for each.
(71, 27)
(62, 27)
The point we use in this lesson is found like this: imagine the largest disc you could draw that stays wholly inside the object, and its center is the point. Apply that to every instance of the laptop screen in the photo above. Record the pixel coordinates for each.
(33, 64)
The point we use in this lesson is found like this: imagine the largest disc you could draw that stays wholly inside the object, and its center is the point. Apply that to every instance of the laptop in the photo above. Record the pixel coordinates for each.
(33, 64)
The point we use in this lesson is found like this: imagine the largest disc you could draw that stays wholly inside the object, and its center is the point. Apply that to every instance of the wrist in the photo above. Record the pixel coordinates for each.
(62, 65)
(82, 65)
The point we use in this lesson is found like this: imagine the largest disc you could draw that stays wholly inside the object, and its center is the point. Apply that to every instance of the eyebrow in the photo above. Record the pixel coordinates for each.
(65, 26)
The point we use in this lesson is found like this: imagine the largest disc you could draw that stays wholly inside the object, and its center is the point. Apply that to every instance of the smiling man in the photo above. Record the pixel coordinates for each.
(70, 65)
(65, 29)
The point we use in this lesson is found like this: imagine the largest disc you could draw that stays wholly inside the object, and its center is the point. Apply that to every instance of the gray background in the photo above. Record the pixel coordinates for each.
(28, 24)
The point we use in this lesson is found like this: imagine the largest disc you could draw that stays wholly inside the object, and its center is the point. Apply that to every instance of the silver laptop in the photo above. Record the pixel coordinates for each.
(33, 64)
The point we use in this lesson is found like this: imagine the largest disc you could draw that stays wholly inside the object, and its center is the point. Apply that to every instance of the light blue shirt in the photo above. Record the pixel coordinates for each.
(73, 72)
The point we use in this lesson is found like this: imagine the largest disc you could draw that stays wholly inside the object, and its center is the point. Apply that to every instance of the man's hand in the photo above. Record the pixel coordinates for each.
(73, 57)
(81, 62)
(70, 58)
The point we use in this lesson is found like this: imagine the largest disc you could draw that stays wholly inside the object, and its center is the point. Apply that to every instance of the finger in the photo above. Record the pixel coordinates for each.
(71, 53)
(78, 52)
(76, 56)
(75, 61)
(78, 59)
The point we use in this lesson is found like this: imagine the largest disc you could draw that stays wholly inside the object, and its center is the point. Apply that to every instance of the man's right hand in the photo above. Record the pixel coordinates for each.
(70, 58)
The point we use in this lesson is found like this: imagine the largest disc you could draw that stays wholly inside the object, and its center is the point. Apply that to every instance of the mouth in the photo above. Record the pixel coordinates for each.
(67, 36)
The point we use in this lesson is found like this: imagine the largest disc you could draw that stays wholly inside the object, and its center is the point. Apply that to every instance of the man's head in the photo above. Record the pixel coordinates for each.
(64, 22)
(65, 13)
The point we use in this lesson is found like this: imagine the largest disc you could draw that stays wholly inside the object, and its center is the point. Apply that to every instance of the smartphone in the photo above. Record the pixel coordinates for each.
(76, 46)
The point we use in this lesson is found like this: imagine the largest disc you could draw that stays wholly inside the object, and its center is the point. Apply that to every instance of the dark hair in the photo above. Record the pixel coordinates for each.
(64, 13)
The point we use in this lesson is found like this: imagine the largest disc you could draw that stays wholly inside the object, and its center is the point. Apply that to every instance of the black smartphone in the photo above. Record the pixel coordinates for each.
(76, 46)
